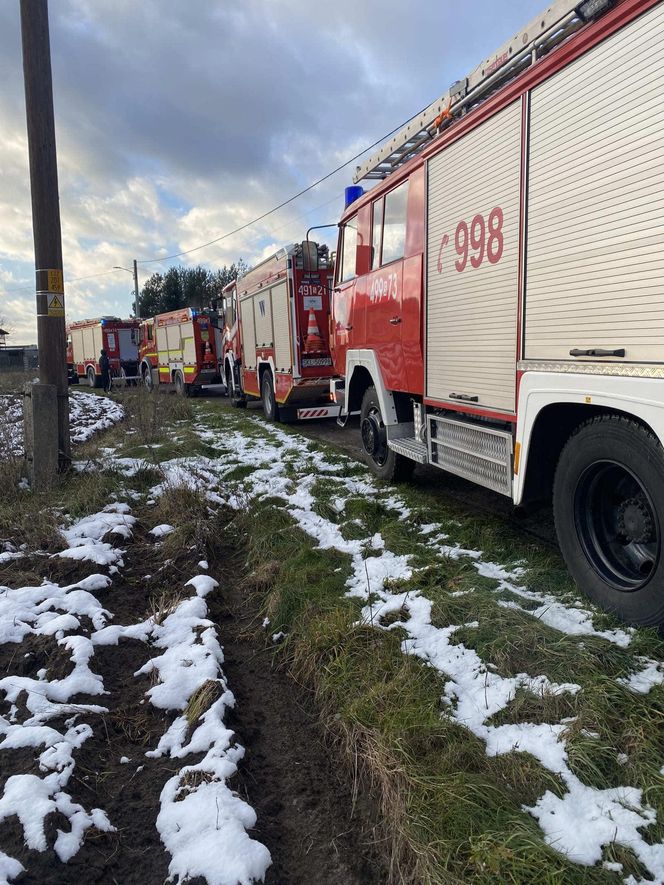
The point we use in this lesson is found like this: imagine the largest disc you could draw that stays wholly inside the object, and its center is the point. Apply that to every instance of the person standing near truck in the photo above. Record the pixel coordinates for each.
(105, 367)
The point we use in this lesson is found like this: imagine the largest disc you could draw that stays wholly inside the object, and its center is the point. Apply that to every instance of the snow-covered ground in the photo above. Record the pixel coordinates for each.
(202, 822)
(585, 819)
(88, 414)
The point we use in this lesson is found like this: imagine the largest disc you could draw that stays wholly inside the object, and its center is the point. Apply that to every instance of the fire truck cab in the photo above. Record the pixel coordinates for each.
(498, 307)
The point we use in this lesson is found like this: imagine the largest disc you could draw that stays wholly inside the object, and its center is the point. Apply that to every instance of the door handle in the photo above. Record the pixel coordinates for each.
(395, 321)
(598, 351)
(465, 397)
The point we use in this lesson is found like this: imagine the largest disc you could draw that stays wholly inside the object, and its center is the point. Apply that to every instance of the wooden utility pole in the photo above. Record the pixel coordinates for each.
(51, 335)
(136, 304)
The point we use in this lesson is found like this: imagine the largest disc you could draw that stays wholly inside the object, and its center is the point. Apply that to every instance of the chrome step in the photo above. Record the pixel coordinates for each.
(409, 447)
(474, 451)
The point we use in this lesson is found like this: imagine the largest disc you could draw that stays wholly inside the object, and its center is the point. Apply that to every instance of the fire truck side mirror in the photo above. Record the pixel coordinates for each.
(309, 256)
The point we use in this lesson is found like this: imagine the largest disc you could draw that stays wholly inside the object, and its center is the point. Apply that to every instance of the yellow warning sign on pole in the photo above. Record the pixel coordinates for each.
(55, 281)
(56, 306)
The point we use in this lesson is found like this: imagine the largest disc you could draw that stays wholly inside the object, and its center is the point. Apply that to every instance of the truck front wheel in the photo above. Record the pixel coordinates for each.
(237, 400)
(270, 407)
(385, 463)
(181, 388)
(608, 503)
(92, 376)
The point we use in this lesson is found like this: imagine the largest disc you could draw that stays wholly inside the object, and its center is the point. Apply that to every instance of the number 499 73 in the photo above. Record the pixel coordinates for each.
(481, 239)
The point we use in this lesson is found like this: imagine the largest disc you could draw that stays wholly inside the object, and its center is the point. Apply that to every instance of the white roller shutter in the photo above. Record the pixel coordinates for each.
(282, 342)
(263, 318)
(248, 332)
(472, 313)
(595, 265)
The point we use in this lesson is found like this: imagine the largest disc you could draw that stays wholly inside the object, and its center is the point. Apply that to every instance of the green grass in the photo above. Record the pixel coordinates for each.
(449, 813)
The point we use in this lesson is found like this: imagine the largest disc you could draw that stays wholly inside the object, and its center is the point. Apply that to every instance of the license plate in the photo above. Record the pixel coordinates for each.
(316, 362)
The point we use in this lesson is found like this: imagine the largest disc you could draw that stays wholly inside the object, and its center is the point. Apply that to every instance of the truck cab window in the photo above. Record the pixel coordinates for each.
(349, 251)
(394, 224)
(377, 234)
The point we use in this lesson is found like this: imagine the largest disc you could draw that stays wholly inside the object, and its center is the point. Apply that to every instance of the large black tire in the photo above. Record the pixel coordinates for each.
(146, 372)
(270, 407)
(92, 377)
(181, 387)
(385, 463)
(608, 504)
(237, 400)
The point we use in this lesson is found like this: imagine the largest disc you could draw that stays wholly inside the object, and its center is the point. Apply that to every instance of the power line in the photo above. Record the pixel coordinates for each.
(248, 224)
(296, 196)
(91, 276)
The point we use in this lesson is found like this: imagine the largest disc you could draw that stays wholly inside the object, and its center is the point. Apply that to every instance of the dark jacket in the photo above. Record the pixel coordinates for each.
(104, 364)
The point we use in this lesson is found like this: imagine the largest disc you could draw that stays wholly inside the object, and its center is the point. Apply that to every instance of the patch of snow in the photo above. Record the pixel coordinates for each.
(160, 531)
(644, 680)
(88, 414)
(202, 584)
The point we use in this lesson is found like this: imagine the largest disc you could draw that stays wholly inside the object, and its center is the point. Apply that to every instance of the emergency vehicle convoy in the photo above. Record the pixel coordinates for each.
(87, 338)
(178, 349)
(498, 309)
(275, 337)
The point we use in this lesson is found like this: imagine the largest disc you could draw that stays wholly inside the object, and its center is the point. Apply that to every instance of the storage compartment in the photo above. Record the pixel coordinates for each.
(472, 265)
(595, 260)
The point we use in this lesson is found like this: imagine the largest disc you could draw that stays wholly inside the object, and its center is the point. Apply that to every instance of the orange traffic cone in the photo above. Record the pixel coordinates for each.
(314, 343)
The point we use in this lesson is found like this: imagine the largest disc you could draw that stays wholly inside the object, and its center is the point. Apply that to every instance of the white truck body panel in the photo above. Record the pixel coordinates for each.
(595, 260)
(472, 314)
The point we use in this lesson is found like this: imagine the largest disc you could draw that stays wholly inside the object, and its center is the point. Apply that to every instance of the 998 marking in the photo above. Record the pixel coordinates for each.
(474, 236)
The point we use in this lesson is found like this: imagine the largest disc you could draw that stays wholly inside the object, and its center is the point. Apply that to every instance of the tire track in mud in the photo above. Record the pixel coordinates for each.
(305, 808)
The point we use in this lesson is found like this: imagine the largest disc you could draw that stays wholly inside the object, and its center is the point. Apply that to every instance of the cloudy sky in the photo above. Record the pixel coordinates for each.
(180, 120)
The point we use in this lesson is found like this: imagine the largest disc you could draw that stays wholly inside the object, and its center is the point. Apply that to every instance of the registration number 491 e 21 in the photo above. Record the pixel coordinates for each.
(481, 239)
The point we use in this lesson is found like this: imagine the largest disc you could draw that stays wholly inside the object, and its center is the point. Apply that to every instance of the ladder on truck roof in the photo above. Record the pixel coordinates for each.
(559, 21)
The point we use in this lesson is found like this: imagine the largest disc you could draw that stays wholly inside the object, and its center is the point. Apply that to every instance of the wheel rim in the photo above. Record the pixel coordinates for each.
(91, 378)
(617, 525)
(374, 437)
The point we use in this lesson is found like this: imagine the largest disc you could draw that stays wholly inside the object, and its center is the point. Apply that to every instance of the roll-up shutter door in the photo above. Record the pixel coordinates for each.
(472, 294)
(248, 332)
(282, 342)
(595, 266)
(263, 318)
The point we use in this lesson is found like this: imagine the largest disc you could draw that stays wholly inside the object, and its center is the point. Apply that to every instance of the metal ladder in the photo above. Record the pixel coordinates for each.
(558, 22)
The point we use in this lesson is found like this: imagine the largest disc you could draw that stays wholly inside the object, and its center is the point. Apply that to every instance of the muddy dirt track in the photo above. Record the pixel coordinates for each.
(305, 810)
(537, 523)
(306, 814)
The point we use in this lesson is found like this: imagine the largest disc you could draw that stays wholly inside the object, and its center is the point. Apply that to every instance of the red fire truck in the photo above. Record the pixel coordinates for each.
(498, 309)
(275, 336)
(177, 348)
(86, 339)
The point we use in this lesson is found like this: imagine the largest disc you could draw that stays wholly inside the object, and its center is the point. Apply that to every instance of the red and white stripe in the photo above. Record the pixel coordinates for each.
(320, 412)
